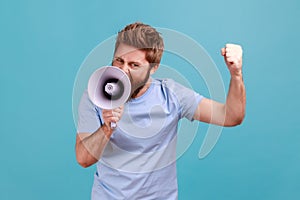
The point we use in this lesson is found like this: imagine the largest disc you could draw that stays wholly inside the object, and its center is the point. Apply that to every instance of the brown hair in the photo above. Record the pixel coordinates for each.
(143, 37)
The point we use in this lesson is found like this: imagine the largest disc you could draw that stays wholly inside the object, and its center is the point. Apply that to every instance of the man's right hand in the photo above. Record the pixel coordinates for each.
(111, 116)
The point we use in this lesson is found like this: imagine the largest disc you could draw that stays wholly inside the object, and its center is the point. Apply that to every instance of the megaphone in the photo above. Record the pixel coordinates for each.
(109, 87)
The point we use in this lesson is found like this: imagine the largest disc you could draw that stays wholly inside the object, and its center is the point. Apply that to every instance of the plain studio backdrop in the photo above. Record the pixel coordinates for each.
(44, 43)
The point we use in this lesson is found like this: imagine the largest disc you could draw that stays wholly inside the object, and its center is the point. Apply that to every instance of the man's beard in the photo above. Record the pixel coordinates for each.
(136, 87)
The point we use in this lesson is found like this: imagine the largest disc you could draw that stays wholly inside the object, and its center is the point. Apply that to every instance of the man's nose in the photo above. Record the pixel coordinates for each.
(124, 67)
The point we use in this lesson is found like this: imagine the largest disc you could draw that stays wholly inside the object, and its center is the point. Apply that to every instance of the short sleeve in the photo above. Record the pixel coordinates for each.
(89, 119)
(187, 99)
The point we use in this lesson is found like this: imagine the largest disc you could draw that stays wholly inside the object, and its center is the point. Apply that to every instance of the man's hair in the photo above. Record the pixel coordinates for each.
(143, 37)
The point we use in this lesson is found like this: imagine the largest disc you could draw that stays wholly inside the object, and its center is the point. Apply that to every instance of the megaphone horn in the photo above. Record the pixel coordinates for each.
(109, 87)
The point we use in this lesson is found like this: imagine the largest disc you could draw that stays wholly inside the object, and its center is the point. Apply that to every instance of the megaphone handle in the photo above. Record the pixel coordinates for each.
(113, 125)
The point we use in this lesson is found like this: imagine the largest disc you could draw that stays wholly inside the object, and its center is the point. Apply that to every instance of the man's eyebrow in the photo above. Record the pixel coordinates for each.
(136, 62)
(117, 57)
(131, 61)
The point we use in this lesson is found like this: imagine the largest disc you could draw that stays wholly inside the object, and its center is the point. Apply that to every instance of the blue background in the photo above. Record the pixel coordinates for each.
(43, 44)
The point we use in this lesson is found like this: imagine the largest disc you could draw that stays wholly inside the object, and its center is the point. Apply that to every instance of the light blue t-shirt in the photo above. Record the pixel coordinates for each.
(139, 161)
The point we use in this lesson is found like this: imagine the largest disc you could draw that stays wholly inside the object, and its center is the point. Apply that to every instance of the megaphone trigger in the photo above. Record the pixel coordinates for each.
(113, 125)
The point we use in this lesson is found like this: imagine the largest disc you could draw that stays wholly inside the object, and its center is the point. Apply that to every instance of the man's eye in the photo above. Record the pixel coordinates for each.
(119, 60)
(134, 65)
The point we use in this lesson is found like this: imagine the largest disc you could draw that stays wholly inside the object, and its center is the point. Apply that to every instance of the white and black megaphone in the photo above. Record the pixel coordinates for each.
(109, 87)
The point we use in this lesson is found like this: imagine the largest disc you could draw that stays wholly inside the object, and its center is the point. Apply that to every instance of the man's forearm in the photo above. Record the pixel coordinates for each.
(236, 101)
(89, 149)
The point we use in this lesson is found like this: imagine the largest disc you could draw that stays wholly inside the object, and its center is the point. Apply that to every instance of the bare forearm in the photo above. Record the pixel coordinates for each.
(236, 101)
(89, 149)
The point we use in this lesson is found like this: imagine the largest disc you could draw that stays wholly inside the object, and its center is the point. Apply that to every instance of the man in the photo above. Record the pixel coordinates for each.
(137, 159)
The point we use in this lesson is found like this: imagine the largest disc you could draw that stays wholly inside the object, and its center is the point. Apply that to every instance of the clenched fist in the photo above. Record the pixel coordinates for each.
(233, 55)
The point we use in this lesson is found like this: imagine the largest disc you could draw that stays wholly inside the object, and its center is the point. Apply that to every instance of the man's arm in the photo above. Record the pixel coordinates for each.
(89, 147)
(233, 111)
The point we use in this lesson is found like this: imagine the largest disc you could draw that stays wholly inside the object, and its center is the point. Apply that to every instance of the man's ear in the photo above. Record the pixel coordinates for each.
(153, 69)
